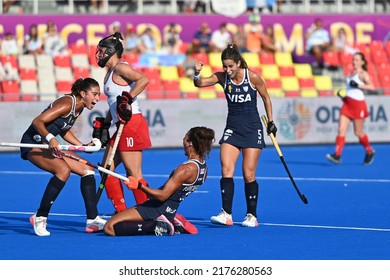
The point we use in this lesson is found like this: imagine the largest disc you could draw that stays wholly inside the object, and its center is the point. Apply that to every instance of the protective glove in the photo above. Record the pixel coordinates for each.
(353, 84)
(123, 107)
(133, 183)
(101, 131)
(271, 128)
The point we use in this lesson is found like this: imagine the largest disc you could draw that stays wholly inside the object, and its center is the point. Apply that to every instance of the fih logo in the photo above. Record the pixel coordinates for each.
(294, 120)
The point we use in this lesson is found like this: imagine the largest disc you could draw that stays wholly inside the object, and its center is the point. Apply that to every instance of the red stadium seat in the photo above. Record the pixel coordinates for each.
(202, 57)
(266, 58)
(63, 86)
(79, 72)
(379, 56)
(306, 83)
(13, 59)
(27, 74)
(385, 81)
(331, 58)
(11, 90)
(172, 89)
(345, 58)
(131, 58)
(79, 48)
(62, 61)
(286, 71)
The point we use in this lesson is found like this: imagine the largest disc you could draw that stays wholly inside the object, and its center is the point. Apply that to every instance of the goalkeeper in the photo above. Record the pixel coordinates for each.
(159, 215)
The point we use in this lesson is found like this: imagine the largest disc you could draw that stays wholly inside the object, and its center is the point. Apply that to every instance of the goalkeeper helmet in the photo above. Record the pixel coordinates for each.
(107, 47)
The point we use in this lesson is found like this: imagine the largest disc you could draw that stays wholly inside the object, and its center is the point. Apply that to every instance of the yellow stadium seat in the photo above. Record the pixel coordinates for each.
(169, 73)
(215, 59)
(283, 59)
(324, 85)
(206, 71)
(187, 87)
(270, 71)
(303, 71)
(251, 59)
(323, 82)
(207, 93)
(290, 83)
(309, 93)
(275, 92)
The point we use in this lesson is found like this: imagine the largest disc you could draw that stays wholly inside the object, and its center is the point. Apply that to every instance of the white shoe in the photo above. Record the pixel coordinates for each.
(222, 218)
(250, 221)
(95, 225)
(39, 224)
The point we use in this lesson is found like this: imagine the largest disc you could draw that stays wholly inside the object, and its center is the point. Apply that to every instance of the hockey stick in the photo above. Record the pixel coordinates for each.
(109, 162)
(95, 148)
(102, 169)
(276, 145)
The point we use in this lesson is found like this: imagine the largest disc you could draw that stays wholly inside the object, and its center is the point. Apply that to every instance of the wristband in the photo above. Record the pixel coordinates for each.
(139, 185)
(49, 137)
(197, 77)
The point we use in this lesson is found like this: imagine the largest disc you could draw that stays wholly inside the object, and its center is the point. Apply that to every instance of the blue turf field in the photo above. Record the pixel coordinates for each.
(347, 216)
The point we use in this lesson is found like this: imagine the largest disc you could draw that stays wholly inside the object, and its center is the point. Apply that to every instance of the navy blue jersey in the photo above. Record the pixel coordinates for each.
(153, 208)
(58, 126)
(243, 126)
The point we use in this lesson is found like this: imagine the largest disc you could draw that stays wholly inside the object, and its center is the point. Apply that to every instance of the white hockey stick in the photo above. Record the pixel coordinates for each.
(95, 148)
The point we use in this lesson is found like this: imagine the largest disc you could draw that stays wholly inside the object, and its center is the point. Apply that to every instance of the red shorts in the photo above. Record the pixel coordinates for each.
(135, 135)
(354, 109)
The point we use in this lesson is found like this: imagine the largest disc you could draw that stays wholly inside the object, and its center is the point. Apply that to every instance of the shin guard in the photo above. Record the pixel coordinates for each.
(88, 191)
(227, 192)
(251, 195)
(52, 191)
(114, 191)
(127, 228)
(340, 143)
(366, 144)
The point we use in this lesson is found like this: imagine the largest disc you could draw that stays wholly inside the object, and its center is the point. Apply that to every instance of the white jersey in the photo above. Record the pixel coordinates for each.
(112, 90)
(355, 93)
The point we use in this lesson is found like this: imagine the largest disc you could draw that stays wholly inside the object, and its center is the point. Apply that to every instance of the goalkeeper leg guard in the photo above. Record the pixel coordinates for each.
(114, 191)
(88, 191)
(227, 191)
(53, 189)
(251, 195)
(139, 196)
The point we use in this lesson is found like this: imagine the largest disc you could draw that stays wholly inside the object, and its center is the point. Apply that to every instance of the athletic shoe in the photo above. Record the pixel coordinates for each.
(164, 227)
(39, 224)
(369, 158)
(95, 225)
(182, 225)
(333, 158)
(222, 218)
(250, 221)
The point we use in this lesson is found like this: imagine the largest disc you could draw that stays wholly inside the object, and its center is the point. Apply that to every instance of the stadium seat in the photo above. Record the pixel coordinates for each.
(13, 59)
(27, 74)
(91, 55)
(79, 72)
(47, 89)
(131, 58)
(290, 86)
(202, 57)
(273, 84)
(270, 71)
(187, 88)
(64, 86)
(169, 73)
(379, 56)
(79, 48)
(309, 93)
(207, 93)
(324, 85)
(387, 48)
(385, 81)
(219, 90)
(172, 89)
(206, 71)
(152, 73)
(286, 71)
(331, 59)
(28, 87)
(345, 58)
(63, 74)
(303, 70)
(62, 61)
(275, 92)
(283, 59)
(215, 59)
(266, 58)
(252, 59)
(98, 74)
(306, 83)
(11, 90)
(80, 60)
(154, 89)
(27, 61)
(376, 45)
(44, 61)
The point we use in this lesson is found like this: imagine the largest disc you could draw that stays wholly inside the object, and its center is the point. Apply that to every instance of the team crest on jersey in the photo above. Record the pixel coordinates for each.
(227, 134)
(245, 88)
